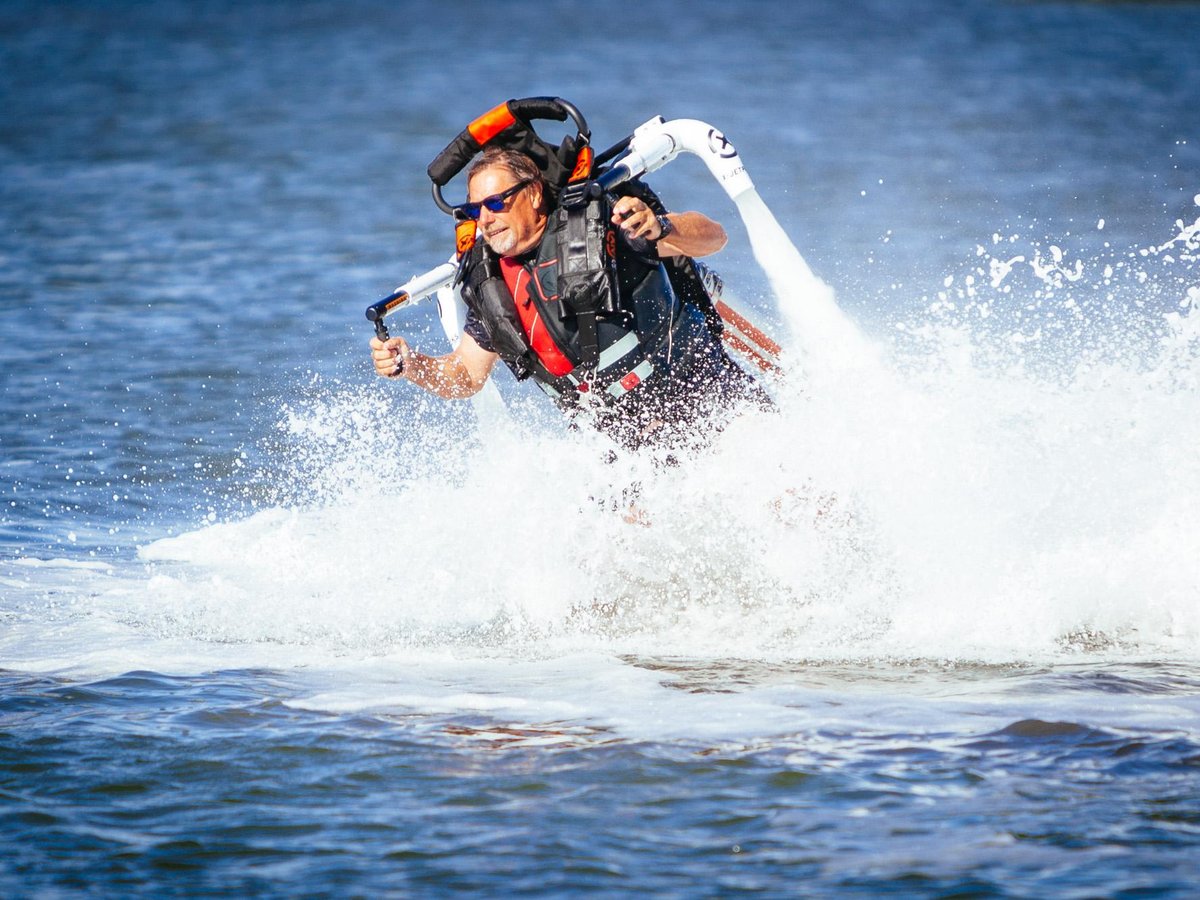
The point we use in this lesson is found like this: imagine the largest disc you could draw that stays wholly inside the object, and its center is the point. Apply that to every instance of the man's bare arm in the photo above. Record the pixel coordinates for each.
(694, 234)
(460, 373)
(691, 233)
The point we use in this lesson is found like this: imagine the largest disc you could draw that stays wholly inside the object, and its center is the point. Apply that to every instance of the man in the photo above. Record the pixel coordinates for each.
(654, 370)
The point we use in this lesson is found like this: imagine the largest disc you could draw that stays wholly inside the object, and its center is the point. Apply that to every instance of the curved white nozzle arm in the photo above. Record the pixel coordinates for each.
(658, 142)
(650, 148)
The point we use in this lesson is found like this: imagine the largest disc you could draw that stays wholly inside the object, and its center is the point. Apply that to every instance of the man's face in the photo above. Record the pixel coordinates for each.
(518, 227)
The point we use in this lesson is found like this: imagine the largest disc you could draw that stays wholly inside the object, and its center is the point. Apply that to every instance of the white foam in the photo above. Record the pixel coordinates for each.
(940, 498)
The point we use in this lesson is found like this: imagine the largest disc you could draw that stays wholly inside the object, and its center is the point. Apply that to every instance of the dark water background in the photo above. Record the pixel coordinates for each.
(196, 202)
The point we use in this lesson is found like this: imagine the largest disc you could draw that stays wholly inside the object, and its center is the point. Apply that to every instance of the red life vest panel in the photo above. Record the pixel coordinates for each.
(518, 279)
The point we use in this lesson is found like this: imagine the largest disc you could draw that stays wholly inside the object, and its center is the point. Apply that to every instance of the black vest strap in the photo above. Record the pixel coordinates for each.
(586, 279)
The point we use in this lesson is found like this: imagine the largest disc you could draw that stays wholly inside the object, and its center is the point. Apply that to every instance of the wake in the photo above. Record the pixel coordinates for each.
(935, 497)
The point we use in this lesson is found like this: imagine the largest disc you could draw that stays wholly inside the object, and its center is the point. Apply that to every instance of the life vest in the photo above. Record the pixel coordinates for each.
(610, 328)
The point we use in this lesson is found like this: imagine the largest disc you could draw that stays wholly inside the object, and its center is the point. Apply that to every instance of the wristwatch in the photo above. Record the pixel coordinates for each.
(666, 226)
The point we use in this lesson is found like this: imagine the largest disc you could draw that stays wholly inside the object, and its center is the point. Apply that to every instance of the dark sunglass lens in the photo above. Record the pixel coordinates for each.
(496, 203)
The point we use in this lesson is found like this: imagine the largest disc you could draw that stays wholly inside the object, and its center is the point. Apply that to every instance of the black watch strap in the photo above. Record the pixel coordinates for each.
(666, 227)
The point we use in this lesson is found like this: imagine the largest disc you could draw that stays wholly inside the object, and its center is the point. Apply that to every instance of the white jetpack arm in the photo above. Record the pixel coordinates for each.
(658, 142)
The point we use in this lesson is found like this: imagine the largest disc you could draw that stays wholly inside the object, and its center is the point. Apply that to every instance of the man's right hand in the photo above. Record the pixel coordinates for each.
(389, 356)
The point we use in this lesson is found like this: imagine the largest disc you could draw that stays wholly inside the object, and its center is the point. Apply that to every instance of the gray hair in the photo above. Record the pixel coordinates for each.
(517, 164)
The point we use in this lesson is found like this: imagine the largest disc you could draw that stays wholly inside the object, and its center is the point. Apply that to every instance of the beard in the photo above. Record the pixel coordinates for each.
(502, 242)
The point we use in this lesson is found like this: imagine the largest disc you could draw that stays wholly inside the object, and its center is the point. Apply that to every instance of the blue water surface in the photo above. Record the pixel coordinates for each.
(197, 201)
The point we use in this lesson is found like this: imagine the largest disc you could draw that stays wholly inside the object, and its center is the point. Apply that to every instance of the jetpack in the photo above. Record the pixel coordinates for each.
(574, 163)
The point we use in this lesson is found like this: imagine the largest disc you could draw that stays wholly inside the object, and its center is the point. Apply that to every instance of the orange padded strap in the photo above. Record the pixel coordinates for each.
(490, 124)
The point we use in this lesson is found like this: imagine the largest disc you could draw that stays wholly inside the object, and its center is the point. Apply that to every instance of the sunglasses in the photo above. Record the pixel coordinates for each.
(495, 203)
